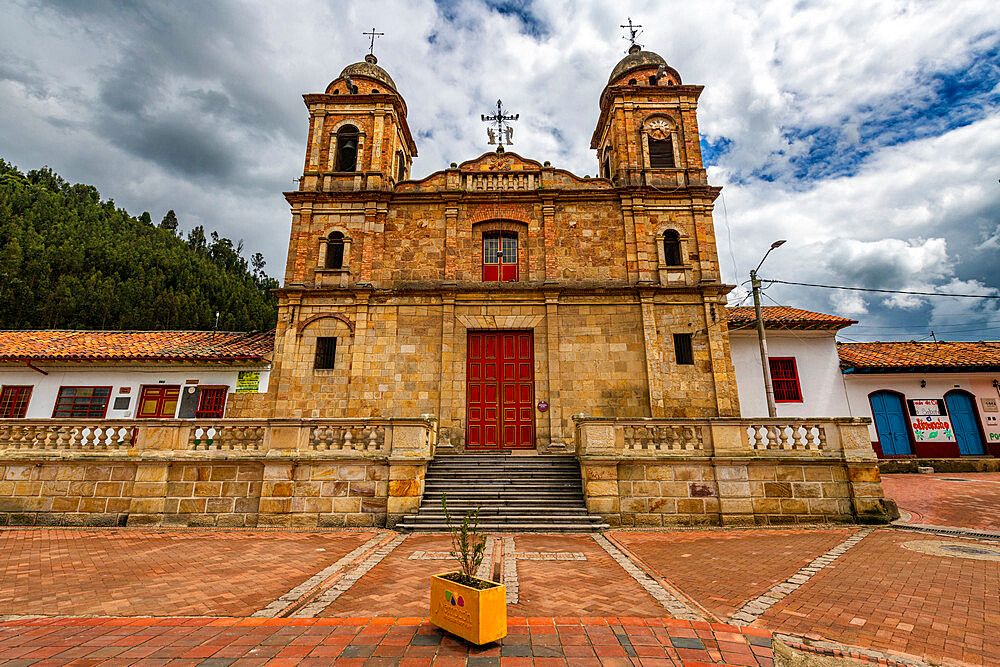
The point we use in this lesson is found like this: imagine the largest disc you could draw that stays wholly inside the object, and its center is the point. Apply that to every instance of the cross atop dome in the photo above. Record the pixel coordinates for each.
(634, 32)
(373, 35)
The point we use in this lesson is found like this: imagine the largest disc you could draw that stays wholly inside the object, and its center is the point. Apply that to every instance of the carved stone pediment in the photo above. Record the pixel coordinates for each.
(500, 171)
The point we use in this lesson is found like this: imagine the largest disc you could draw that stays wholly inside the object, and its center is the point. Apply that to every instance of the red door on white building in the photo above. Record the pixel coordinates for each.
(500, 380)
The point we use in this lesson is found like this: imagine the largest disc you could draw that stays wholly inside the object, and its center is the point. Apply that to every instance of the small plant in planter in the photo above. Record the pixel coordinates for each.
(463, 604)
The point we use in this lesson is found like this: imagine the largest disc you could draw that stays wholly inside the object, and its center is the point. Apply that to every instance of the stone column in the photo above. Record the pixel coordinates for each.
(556, 439)
(628, 228)
(653, 360)
(450, 240)
(317, 116)
(359, 352)
(549, 240)
(446, 379)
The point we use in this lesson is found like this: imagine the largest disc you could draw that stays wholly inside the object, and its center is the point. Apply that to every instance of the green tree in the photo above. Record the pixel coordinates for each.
(169, 221)
(70, 260)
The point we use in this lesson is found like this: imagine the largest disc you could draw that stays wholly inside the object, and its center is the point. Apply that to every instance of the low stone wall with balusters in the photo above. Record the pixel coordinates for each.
(659, 472)
(253, 472)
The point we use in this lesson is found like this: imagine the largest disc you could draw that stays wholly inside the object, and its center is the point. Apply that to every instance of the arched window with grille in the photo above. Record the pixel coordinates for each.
(500, 256)
(347, 149)
(672, 248)
(335, 251)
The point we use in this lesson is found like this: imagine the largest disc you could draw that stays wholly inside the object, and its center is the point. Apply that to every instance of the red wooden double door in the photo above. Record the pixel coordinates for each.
(500, 376)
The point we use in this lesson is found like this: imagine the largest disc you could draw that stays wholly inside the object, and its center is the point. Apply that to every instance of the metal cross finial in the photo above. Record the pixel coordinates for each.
(503, 133)
(633, 31)
(373, 35)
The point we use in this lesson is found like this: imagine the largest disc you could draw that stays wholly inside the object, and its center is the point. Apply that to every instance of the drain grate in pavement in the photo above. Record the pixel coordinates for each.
(970, 551)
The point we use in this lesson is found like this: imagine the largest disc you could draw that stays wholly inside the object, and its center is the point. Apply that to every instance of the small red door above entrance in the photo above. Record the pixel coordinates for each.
(500, 377)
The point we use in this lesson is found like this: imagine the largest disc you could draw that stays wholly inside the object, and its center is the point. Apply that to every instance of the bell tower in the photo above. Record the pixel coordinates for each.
(358, 135)
(647, 133)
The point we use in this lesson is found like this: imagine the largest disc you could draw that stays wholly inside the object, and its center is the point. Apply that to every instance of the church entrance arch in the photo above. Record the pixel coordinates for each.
(500, 390)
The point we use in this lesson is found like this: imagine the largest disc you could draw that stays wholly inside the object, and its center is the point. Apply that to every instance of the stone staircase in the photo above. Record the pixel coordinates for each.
(512, 492)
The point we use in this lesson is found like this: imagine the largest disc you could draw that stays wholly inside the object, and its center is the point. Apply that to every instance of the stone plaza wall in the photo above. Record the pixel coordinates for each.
(730, 472)
(247, 474)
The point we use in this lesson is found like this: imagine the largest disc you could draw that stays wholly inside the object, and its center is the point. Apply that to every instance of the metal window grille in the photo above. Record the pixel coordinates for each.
(785, 379)
(14, 402)
(683, 351)
(661, 153)
(86, 402)
(326, 352)
(211, 401)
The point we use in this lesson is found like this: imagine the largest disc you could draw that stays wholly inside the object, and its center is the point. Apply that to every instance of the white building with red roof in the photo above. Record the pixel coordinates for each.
(129, 374)
(805, 368)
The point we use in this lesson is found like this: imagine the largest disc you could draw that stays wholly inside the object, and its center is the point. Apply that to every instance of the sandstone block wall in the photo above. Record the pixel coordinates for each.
(254, 493)
(724, 492)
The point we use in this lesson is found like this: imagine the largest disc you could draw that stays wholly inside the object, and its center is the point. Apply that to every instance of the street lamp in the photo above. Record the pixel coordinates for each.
(772, 409)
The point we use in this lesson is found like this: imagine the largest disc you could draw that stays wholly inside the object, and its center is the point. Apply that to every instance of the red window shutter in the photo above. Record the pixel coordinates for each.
(785, 379)
(211, 403)
(14, 402)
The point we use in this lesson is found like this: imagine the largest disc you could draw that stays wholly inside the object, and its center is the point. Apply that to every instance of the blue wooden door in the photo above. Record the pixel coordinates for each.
(965, 423)
(890, 423)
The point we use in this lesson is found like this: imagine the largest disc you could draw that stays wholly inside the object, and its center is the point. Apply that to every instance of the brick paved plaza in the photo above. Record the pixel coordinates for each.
(663, 597)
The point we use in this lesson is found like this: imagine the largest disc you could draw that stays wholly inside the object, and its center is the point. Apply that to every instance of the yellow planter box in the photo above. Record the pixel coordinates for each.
(479, 616)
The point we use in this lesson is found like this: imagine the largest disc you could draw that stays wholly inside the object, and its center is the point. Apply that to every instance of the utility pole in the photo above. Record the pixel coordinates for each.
(772, 408)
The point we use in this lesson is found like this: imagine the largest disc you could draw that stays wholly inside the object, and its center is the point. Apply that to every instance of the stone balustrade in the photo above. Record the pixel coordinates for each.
(213, 472)
(651, 438)
(204, 438)
(729, 471)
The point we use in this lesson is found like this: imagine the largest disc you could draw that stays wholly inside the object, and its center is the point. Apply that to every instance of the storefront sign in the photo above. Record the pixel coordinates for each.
(989, 404)
(929, 420)
(248, 382)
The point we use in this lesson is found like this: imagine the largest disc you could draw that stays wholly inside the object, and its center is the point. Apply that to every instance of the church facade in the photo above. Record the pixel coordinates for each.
(504, 295)
(500, 305)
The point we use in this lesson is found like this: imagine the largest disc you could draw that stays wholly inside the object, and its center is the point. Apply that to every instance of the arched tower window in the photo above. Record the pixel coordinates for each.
(500, 256)
(660, 143)
(347, 149)
(606, 164)
(335, 251)
(672, 248)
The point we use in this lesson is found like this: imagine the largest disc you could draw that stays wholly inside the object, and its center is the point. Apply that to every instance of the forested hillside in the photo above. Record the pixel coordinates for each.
(70, 260)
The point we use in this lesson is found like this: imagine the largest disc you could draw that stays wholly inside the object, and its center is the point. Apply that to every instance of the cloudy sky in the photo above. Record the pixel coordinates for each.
(866, 132)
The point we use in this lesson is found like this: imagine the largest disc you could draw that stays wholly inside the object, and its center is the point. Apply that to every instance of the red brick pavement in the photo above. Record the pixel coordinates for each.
(932, 499)
(397, 586)
(158, 572)
(724, 569)
(883, 596)
(541, 642)
(595, 587)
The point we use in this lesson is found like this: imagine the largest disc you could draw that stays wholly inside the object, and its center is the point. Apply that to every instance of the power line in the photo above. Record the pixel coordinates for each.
(885, 291)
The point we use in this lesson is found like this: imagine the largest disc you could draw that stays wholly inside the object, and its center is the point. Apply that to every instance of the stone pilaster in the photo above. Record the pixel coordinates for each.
(653, 358)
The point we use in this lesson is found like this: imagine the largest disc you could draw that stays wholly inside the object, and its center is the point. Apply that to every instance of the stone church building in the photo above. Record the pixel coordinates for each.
(499, 306)
(504, 295)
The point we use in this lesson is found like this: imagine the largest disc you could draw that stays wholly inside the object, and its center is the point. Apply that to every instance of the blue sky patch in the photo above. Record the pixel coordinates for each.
(937, 102)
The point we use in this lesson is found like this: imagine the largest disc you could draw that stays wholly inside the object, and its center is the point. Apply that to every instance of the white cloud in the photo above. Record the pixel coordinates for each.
(81, 85)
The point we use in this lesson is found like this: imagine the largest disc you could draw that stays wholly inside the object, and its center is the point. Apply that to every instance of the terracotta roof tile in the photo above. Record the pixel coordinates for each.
(783, 317)
(942, 355)
(65, 345)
